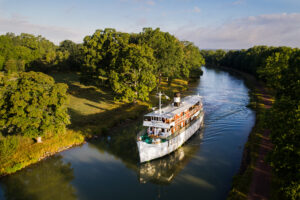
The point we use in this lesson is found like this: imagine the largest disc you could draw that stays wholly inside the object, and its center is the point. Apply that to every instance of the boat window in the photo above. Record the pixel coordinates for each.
(163, 120)
(147, 118)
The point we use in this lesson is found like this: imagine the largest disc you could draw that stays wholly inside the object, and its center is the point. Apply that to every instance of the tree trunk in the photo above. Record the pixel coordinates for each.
(39, 139)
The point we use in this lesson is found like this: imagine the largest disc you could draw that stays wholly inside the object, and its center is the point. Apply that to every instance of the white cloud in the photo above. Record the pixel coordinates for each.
(274, 29)
(18, 24)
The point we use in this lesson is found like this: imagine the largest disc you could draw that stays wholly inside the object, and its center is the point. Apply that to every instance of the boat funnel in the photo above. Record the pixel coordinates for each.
(177, 99)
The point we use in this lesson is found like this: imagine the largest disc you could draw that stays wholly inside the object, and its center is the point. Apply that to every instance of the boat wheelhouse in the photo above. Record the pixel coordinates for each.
(169, 127)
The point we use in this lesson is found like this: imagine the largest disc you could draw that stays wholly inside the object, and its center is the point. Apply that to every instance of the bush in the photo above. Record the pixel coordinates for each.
(8, 146)
(32, 104)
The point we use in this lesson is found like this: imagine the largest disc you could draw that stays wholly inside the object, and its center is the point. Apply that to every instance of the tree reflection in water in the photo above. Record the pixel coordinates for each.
(122, 144)
(49, 179)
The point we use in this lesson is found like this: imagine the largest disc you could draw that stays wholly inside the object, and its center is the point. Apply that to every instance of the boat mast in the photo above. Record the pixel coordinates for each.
(159, 95)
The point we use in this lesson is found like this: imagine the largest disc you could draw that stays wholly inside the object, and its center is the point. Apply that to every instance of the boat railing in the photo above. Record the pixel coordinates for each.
(185, 127)
(142, 132)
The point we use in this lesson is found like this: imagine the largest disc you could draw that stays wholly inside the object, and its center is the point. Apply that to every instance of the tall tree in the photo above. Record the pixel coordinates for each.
(132, 78)
(100, 52)
(168, 51)
(192, 61)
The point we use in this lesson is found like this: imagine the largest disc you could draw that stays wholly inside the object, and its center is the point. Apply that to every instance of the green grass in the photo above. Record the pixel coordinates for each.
(93, 111)
(29, 152)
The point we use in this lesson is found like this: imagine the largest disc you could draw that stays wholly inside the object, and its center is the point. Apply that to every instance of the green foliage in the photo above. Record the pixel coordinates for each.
(132, 64)
(279, 67)
(27, 52)
(99, 54)
(2, 60)
(168, 51)
(192, 61)
(132, 77)
(54, 175)
(213, 57)
(8, 146)
(69, 56)
(24, 52)
(32, 104)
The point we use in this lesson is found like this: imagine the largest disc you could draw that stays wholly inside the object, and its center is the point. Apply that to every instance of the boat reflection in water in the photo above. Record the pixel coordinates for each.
(162, 171)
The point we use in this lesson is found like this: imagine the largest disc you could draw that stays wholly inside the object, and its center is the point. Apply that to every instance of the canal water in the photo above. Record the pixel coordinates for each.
(109, 168)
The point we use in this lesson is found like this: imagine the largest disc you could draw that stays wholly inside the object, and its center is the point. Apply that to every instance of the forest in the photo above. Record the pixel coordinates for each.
(34, 108)
(279, 68)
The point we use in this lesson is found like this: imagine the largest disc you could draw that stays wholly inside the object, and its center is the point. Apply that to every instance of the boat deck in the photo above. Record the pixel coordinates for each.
(149, 139)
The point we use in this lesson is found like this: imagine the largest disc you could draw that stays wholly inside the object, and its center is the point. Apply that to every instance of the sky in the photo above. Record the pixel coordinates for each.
(209, 24)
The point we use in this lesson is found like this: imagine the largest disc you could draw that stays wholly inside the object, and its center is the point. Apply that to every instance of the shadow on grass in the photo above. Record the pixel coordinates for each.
(91, 93)
(83, 91)
(97, 107)
(99, 123)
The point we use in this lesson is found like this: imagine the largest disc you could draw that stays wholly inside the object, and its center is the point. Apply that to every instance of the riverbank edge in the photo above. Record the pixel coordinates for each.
(242, 181)
(76, 138)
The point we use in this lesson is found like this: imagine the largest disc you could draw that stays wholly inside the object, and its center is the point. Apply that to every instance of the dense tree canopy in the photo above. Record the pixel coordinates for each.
(17, 53)
(27, 52)
(107, 58)
(133, 77)
(32, 104)
(167, 49)
(133, 64)
(100, 52)
(192, 61)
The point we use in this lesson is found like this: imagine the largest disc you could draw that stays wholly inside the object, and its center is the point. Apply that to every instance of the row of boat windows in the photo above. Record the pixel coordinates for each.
(159, 131)
(148, 118)
(152, 118)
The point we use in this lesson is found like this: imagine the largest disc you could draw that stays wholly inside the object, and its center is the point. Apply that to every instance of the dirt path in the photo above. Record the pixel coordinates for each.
(261, 177)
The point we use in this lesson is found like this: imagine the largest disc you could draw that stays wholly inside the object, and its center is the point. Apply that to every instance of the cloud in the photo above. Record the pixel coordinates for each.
(273, 29)
(18, 24)
(196, 9)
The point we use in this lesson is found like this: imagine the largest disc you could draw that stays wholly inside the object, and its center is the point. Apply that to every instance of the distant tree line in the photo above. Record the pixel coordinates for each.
(26, 52)
(279, 67)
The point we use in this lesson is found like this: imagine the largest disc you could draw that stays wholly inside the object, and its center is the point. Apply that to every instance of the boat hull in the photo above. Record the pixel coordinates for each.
(152, 151)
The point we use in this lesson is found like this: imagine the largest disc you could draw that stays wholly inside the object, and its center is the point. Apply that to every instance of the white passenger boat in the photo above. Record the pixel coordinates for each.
(168, 128)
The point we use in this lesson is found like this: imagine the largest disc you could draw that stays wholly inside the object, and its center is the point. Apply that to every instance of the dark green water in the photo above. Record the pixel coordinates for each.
(109, 168)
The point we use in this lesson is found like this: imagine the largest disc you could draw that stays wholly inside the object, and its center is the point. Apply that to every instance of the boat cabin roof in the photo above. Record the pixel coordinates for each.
(170, 111)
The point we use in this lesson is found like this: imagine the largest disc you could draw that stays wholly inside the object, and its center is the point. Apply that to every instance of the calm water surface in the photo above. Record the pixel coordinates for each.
(109, 168)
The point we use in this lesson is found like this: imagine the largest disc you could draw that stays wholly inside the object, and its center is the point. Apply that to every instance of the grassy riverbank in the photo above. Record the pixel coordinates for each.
(93, 112)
